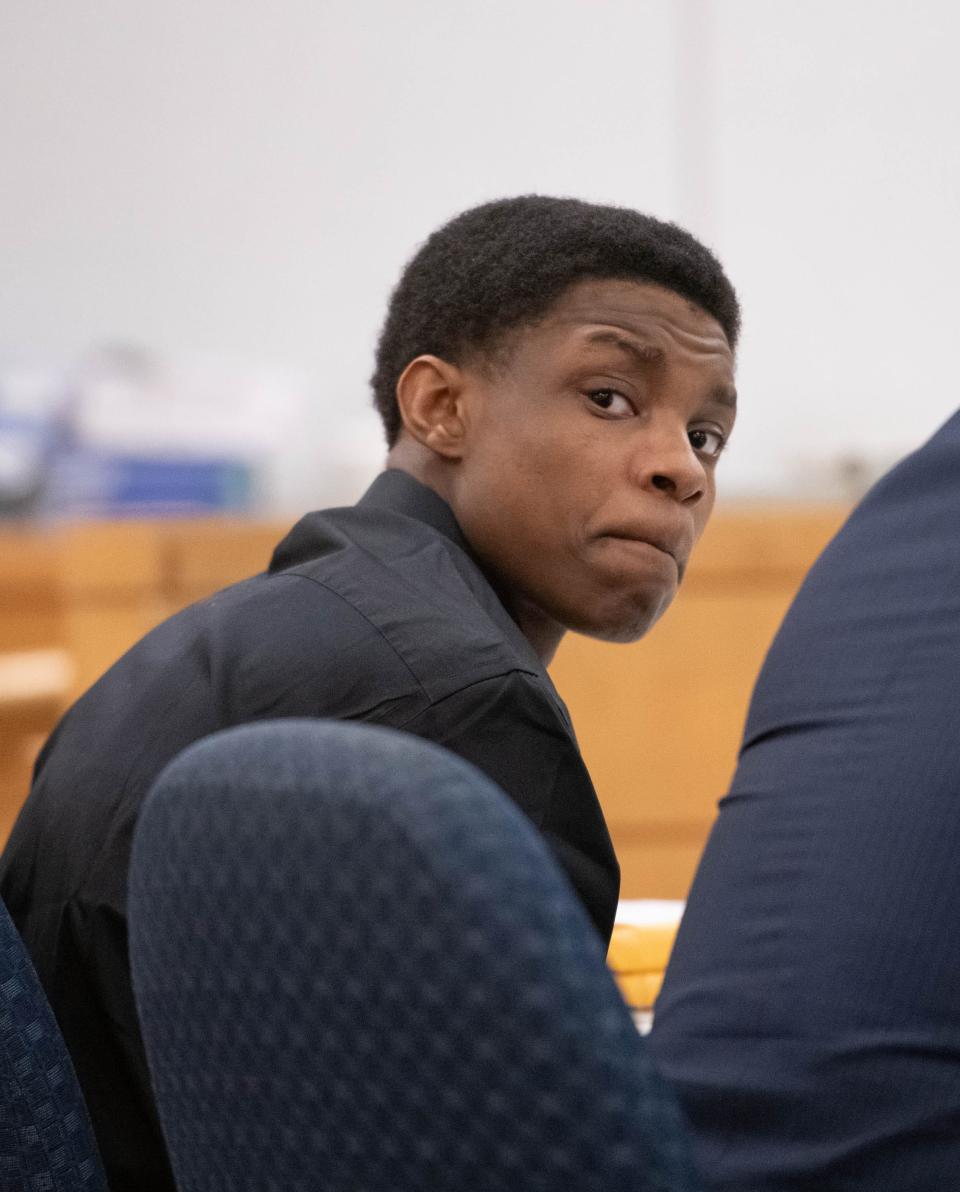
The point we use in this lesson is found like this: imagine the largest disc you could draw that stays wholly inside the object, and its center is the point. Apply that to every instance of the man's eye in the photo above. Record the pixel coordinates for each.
(611, 402)
(707, 442)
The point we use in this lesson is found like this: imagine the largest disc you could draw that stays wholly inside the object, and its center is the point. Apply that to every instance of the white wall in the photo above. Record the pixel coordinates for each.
(248, 178)
(837, 186)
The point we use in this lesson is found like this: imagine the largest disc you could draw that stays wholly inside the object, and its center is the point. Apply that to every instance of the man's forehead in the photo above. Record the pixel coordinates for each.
(649, 319)
(632, 305)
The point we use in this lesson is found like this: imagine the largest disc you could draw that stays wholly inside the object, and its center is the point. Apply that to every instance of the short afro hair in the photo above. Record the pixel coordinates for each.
(502, 265)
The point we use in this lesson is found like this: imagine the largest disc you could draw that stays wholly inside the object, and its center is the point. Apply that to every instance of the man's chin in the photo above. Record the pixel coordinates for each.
(624, 625)
(621, 635)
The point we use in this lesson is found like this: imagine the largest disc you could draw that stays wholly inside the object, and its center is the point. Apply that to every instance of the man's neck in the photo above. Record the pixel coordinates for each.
(541, 631)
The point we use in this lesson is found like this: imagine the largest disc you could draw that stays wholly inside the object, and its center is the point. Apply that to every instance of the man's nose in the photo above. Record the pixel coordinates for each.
(667, 462)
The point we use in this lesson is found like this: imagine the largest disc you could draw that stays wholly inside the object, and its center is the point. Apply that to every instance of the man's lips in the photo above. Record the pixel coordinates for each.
(669, 542)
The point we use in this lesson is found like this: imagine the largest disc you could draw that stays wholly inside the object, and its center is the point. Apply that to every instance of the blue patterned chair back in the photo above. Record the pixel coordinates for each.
(358, 969)
(46, 1141)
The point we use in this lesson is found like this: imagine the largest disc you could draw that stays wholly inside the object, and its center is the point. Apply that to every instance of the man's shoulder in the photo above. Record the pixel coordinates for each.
(418, 592)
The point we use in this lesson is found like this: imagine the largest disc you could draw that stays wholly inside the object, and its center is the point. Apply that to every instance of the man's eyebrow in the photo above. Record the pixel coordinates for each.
(643, 353)
(725, 397)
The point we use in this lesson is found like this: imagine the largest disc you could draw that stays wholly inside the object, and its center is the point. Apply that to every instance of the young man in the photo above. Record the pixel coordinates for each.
(556, 384)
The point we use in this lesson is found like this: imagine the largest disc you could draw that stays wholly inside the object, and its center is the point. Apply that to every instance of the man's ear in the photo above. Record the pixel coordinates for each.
(430, 397)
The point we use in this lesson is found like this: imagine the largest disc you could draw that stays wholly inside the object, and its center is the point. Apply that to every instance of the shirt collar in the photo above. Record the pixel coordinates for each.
(400, 492)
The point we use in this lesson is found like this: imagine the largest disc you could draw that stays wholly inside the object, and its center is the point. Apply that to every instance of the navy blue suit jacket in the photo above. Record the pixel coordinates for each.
(810, 1016)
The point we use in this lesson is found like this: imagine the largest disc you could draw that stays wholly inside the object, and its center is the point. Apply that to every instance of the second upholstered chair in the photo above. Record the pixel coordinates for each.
(46, 1141)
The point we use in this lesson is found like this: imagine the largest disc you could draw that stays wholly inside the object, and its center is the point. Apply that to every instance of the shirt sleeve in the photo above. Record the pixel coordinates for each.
(509, 729)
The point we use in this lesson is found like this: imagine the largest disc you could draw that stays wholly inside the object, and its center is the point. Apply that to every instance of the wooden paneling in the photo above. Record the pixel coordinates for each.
(34, 672)
(34, 685)
(203, 556)
(659, 722)
(30, 599)
(111, 577)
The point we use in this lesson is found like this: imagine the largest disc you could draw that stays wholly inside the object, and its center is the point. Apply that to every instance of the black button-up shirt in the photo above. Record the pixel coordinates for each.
(376, 613)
